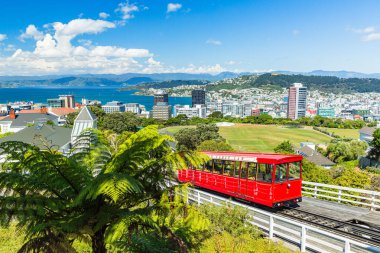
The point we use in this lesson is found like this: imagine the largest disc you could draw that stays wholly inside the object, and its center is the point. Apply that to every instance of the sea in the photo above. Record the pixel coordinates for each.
(103, 94)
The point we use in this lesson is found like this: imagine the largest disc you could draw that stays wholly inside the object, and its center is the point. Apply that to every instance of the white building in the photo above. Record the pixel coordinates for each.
(133, 107)
(85, 119)
(114, 106)
(190, 112)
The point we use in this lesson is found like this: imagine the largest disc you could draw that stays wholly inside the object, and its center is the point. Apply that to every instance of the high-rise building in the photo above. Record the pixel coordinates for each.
(161, 111)
(55, 102)
(68, 101)
(297, 101)
(198, 97)
(161, 97)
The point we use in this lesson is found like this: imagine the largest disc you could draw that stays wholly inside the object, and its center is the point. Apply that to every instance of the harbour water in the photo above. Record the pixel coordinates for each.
(103, 94)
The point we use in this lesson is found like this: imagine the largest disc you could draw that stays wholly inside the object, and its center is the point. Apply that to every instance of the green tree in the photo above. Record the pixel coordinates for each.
(216, 115)
(110, 199)
(346, 151)
(120, 122)
(284, 147)
(374, 153)
(214, 145)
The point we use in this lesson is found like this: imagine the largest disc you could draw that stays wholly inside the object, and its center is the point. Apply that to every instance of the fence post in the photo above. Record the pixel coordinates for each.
(347, 246)
(373, 203)
(315, 191)
(339, 195)
(303, 239)
(199, 198)
(271, 221)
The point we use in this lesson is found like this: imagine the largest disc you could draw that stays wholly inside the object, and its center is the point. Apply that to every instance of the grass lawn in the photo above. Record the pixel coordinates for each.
(174, 129)
(264, 138)
(347, 133)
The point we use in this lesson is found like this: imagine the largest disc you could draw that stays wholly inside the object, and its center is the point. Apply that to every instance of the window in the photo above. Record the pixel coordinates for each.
(208, 166)
(237, 169)
(264, 173)
(294, 171)
(218, 167)
(252, 170)
(229, 168)
(281, 172)
(244, 170)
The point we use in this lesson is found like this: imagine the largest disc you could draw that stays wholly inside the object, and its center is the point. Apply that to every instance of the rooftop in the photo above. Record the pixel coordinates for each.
(254, 157)
(26, 118)
(42, 135)
(315, 157)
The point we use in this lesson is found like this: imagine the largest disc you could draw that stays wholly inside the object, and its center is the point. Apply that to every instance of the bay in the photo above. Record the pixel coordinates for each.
(103, 94)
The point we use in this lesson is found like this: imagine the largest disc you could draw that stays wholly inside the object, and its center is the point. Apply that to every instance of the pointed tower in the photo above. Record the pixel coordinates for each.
(85, 119)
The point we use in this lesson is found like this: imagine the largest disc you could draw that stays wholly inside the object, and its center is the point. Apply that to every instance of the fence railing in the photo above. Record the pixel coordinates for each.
(346, 195)
(306, 237)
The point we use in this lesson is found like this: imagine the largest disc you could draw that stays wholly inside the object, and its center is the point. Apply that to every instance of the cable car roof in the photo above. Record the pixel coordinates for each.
(254, 157)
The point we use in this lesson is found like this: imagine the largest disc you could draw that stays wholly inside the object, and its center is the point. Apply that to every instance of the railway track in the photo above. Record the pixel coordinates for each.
(354, 229)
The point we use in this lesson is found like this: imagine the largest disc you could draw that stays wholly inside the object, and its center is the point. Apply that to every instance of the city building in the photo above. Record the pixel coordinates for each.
(56, 103)
(161, 97)
(114, 106)
(85, 119)
(161, 111)
(17, 122)
(326, 112)
(198, 97)
(198, 110)
(133, 107)
(68, 101)
(297, 101)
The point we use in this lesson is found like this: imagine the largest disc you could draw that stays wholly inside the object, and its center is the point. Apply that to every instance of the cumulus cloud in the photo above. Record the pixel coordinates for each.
(371, 36)
(31, 32)
(173, 7)
(368, 29)
(104, 15)
(369, 33)
(3, 36)
(127, 10)
(214, 42)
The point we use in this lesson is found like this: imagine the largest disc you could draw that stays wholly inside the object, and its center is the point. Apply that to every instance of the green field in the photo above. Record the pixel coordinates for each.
(263, 138)
(344, 133)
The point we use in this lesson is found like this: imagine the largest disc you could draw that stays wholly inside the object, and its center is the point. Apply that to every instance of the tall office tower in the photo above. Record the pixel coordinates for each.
(297, 101)
(161, 97)
(68, 101)
(198, 97)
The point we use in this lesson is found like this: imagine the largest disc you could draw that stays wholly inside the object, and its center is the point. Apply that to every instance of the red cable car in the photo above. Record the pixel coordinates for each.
(272, 180)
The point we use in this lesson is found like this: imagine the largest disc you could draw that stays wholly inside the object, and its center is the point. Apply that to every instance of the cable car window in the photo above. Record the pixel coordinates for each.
(208, 166)
(264, 173)
(244, 170)
(252, 167)
(237, 169)
(281, 172)
(218, 167)
(294, 171)
(229, 168)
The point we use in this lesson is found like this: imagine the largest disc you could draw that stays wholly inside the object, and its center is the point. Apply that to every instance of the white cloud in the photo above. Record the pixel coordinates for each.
(368, 29)
(103, 15)
(31, 32)
(173, 7)
(371, 36)
(126, 10)
(10, 48)
(231, 62)
(3, 36)
(214, 42)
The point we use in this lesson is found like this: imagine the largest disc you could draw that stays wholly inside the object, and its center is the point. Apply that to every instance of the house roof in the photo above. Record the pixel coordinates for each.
(254, 157)
(315, 157)
(85, 114)
(367, 130)
(41, 135)
(23, 120)
(62, 111)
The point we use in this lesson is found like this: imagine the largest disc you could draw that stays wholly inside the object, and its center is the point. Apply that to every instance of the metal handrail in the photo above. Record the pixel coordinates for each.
(305, 236)
(342, 194)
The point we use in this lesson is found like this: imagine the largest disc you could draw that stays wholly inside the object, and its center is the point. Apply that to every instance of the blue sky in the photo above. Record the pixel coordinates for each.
(108, 36)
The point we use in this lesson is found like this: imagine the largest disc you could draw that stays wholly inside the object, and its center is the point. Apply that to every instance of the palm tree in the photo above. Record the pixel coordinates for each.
(109, 195)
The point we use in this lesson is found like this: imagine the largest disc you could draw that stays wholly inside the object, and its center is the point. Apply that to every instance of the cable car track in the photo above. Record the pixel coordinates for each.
(363, 232)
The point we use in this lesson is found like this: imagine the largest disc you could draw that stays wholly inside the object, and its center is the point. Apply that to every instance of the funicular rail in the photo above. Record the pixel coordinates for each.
(306, 236)
(362, 232)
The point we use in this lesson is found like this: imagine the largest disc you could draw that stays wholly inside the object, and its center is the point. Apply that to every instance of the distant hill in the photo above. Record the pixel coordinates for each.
(323, 83)
(167, 84)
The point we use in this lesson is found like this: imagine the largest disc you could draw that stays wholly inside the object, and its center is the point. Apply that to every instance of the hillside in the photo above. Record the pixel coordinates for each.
(323, 83)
